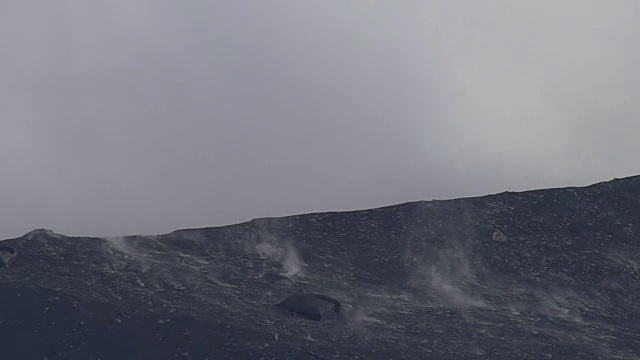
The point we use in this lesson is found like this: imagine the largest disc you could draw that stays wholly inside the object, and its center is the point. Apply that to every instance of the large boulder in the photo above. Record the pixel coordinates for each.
(311, 306)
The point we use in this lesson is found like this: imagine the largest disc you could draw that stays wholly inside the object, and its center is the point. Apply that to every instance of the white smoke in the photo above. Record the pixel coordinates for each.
(283, 252)
(122, 253)
(120, 244)
(447, 290)
(446, 276)
(561, 303)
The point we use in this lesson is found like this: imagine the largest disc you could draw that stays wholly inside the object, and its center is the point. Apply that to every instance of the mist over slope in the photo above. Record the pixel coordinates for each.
(534, 275)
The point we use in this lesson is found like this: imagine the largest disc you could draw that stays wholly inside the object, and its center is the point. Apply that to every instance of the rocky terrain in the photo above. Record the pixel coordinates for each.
(545, 274)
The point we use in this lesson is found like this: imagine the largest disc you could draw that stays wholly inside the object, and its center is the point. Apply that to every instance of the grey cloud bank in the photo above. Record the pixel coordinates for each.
(124, 117)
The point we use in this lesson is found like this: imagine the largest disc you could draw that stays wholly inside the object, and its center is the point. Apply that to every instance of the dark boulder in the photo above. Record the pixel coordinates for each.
(311, 306)
(336, 303)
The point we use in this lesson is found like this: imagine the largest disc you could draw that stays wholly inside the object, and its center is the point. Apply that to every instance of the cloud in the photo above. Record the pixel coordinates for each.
(148, 116)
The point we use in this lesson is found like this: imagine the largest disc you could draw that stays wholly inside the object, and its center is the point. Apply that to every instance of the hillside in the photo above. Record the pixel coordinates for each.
(532, 275)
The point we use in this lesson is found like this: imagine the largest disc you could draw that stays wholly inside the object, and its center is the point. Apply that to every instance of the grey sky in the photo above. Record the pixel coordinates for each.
(131, 116)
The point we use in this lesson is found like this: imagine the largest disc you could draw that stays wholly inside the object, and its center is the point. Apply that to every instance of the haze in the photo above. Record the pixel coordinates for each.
(142, 117)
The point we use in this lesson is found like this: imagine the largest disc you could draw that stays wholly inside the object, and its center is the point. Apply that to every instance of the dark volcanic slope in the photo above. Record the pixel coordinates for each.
(534, 275)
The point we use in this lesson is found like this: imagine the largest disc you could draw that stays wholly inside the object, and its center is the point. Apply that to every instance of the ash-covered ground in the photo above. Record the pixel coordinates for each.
(546, 274)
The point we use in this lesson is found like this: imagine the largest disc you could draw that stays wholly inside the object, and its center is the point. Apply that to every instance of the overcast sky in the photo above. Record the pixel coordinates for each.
(146, 116)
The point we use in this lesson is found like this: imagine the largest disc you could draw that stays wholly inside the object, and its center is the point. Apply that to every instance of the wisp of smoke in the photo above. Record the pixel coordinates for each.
(561, 303)
(120, 244)
(451, 293)
(445, 275)
(282, 252)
